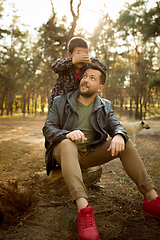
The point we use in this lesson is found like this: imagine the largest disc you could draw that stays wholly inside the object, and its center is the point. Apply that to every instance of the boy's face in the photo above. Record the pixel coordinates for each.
(79, 51)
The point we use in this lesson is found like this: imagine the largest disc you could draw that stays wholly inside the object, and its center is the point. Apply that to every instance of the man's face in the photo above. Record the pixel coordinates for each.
(90, 83)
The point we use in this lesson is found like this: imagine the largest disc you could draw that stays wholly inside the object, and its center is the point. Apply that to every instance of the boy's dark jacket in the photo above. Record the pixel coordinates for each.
(66, 76)
(63, 118)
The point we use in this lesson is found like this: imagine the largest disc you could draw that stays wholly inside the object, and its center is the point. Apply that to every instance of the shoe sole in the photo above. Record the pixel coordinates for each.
(79, 238)
(88, 239)
(151, 215)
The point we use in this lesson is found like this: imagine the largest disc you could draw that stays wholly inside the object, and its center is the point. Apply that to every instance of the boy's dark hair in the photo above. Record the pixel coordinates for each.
(99, 68)
(76, 42)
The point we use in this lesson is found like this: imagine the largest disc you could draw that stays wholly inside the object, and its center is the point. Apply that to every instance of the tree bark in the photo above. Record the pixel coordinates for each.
(70, 34)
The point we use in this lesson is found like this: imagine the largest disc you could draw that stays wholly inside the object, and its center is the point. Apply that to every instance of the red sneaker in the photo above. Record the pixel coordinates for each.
(86, 224)
(152, 208)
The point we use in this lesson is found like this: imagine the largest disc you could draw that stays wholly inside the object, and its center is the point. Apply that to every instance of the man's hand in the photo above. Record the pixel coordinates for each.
(117, 145)
(76, 135)
(81, 57)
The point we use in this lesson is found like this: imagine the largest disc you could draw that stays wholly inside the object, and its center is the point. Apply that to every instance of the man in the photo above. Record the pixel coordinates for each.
(77, 127)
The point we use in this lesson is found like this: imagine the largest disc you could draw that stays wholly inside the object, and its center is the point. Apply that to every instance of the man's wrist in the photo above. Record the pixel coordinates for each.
(120, 134)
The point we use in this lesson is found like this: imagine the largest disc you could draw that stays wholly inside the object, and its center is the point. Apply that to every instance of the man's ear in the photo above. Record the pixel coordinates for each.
(100, 88)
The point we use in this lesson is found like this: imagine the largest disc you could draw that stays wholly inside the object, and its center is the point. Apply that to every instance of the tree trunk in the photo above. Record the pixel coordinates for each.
(141, 108)
(42, 102)
(137, 110)
(32, 102)
(35, 107)
(28, 98)
(11, 107)
(24, 105)
(72, 29)
(130, 109)
(16, 105)
(145, 107)
(2, 101)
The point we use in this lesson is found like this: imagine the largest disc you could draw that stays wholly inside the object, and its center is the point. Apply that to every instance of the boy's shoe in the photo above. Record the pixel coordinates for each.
(152, 208)
(86, 224)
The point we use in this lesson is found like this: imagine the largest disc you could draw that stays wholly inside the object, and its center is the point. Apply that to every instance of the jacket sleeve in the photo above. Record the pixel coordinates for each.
(101, 64)
(62, 65)
(114, 126)
(51, 130)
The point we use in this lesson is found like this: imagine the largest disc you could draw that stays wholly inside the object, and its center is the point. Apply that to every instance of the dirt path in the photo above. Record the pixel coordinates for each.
(116, 201)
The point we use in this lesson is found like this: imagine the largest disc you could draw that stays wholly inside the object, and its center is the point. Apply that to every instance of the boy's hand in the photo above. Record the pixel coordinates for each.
(81, 58)
(76, 135)
(86, 58)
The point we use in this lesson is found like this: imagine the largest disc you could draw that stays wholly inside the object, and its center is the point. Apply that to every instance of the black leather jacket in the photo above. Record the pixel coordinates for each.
(63, 118)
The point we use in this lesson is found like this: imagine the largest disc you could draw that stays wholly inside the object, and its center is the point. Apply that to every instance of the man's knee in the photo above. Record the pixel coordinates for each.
(129, 144)
(128, 151)
(68, 145)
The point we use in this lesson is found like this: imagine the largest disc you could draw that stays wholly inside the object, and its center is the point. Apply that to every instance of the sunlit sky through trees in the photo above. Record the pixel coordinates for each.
(35, 12)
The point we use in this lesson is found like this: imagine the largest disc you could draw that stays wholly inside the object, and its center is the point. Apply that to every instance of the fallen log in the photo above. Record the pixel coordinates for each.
(55, 182)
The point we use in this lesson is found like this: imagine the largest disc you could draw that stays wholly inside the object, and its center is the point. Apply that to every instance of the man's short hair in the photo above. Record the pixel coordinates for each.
(76, 42)
(99, 68)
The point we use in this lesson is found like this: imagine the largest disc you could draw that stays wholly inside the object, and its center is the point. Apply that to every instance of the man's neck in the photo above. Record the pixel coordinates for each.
(85, 101)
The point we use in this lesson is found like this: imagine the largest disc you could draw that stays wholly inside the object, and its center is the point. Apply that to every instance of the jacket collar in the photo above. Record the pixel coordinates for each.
(98, 103)
(72, 99)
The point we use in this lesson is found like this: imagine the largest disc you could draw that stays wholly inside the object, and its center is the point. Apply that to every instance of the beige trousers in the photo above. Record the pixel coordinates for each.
(71, 160)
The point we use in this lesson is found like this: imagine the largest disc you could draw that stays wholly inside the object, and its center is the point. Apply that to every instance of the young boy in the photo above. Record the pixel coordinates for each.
(71, 68)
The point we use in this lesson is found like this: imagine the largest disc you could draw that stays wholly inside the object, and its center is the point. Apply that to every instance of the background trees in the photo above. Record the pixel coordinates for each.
(129, 46)
(132, 56)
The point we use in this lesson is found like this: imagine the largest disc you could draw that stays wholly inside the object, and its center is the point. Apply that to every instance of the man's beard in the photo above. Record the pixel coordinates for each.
(87, 94)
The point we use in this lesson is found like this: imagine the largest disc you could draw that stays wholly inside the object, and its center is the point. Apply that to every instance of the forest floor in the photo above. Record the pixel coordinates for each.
(115, 199)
